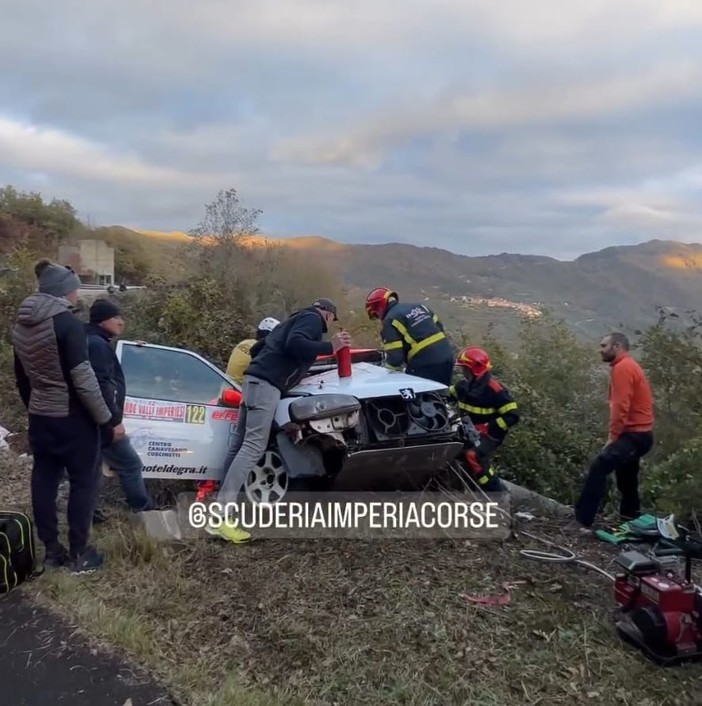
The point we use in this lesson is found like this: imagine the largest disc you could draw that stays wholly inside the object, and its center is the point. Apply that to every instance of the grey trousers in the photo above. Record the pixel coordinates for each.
(253, 429)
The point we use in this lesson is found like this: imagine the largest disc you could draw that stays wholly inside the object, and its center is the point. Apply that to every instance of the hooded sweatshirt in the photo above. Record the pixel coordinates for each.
(52, 368)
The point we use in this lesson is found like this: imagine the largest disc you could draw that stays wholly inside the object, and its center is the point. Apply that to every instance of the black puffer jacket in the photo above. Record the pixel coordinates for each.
(52, 368)
(108, 371)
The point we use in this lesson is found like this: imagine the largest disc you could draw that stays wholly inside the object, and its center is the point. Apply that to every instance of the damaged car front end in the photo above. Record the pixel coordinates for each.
(388, 430)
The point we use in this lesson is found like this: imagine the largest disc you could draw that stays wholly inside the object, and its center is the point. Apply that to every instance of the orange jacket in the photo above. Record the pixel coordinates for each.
(630, 398)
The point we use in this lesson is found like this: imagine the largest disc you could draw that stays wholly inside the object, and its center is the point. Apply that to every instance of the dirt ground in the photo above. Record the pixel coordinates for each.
(349, 622)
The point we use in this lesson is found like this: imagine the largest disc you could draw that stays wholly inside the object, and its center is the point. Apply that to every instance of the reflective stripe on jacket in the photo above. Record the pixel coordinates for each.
(413, 333)
(486, 401)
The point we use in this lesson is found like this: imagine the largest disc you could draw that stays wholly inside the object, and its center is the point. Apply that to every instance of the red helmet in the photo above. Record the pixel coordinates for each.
(377, 302)
(475, 359)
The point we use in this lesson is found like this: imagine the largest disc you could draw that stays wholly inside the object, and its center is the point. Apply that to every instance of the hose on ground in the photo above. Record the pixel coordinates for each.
(567, 557)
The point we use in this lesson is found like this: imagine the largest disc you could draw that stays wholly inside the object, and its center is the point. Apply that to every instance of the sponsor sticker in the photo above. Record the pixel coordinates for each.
(155, 410)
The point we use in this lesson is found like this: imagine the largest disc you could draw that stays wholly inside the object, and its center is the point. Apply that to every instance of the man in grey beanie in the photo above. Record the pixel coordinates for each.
(66, 412)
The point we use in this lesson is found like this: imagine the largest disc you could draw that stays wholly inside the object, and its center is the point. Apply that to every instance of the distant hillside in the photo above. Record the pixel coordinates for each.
(597, 291)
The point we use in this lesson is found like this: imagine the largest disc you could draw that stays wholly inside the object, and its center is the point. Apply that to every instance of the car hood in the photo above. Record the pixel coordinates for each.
(367, 381)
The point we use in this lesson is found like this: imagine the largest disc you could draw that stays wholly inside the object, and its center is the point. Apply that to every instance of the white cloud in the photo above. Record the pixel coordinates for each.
(556, 101)
(336, 25)
(511, 125)
(54, 152)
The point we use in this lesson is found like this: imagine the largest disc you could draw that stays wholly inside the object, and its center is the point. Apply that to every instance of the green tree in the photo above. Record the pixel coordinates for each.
(54, 221)
(672, 358)
(561, 393)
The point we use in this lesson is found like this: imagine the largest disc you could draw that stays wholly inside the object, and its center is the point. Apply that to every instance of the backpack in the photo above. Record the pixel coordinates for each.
(17, 555)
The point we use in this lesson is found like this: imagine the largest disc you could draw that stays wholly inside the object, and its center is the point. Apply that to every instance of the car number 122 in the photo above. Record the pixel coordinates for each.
(195, 414)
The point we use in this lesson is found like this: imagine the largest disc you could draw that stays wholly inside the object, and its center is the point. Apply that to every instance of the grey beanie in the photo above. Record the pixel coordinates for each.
(56, 280)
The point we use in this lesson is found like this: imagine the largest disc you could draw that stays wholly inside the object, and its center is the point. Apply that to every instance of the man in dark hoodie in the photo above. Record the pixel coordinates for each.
(66, 410)
(106, 323)
(278, 363)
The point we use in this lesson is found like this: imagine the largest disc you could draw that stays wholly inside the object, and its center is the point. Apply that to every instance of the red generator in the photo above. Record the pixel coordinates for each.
(660, 612)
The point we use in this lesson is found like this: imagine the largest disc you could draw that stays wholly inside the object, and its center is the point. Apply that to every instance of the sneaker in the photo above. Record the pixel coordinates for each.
(56, 557)
(88, 562)
(228, 532)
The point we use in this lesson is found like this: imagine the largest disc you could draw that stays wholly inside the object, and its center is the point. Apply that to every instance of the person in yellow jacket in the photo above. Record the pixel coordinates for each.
(241, 355)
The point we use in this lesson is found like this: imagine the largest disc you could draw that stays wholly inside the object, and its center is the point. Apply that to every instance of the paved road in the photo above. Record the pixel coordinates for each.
(43, 664)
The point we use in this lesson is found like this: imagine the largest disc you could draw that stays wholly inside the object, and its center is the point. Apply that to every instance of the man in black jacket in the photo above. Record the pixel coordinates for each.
(106, 323)
(66, 410)
(278, 363)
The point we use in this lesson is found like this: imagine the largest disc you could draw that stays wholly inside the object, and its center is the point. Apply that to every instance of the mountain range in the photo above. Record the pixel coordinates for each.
(617, 287)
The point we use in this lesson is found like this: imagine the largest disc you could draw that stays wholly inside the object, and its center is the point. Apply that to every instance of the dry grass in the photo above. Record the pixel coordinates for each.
(345, 622)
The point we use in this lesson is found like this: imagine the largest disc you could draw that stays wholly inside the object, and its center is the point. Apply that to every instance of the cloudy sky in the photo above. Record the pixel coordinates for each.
(480, 126)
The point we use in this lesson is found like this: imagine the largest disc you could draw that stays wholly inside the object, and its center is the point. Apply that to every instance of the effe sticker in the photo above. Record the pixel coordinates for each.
(195, 414)
(225, 415)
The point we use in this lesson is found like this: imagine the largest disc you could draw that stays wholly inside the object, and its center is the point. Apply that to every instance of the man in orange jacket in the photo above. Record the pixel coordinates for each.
(630, 434)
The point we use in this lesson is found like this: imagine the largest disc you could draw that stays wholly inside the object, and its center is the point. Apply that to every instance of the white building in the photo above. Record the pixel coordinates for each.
(93, 260)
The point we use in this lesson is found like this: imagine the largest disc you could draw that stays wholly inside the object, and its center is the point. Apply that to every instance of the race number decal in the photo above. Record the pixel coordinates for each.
(195, 414)
(407, 393)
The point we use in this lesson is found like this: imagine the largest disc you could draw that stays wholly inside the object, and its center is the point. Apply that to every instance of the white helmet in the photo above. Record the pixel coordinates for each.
(268, 324)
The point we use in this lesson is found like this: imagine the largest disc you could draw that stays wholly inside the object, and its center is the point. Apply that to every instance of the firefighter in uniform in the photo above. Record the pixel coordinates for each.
(412, 336)
(490, 409)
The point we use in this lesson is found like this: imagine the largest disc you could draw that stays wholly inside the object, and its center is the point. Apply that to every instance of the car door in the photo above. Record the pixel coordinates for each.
(172, 412)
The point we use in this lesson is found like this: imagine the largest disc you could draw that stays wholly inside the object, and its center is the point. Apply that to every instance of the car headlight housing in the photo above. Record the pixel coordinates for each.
(314, 407)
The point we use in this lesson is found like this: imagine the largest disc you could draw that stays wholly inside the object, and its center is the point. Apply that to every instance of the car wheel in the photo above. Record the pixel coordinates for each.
(268, 481)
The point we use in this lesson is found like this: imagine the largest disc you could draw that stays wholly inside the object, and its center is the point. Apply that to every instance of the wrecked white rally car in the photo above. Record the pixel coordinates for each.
(375, 430)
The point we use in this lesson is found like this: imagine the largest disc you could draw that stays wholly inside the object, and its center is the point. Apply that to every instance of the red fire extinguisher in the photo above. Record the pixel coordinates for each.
(343, 360)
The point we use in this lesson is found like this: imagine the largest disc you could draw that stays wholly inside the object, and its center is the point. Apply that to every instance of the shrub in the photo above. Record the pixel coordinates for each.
(673, 485)
(561, 393)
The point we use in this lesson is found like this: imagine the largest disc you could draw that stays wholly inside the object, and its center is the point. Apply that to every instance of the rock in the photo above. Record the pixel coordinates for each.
(538, 504)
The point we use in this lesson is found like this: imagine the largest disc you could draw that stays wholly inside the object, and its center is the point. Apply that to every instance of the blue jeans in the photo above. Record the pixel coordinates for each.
(253, 430)
(124, 460)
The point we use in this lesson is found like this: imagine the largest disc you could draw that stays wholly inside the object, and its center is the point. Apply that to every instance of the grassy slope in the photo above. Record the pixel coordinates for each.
(340, 622)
